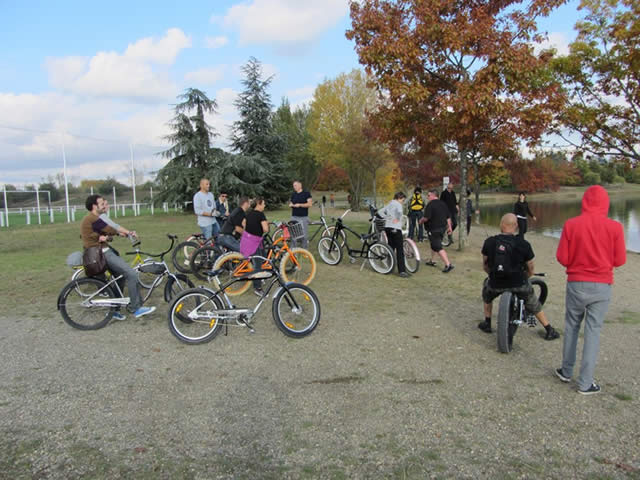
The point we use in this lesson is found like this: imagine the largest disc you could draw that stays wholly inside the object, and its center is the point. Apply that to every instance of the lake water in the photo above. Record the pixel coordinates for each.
(552, 214)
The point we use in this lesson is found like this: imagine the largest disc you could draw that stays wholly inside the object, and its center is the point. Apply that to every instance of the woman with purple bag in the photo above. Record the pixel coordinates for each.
(251, 240)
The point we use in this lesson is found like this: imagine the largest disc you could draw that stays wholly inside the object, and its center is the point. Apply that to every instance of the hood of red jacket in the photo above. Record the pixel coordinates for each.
(595, 201)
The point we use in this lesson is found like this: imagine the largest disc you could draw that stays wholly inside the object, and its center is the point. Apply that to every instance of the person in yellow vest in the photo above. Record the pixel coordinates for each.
(416, 205)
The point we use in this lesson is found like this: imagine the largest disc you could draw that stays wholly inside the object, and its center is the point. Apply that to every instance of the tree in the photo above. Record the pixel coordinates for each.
(106, 187)
(458, 75)
(602, 78)
(291, 127)
(54, 193)
(189, 155)
(253, 135)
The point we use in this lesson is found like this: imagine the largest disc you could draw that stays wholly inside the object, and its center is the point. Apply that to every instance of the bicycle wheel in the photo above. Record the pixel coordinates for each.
(229, 262)
(176, 284)
(298, 265)
(541, 289)
(203, 259)
(507, 312)
(411, 255)
(77, 307)
(191, 316)
(296, 310)
(341, 238)
(329, 250)
(181, 256)
(380, 258)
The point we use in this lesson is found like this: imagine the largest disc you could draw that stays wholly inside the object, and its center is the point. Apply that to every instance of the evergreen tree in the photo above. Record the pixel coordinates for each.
(190, 154)
(254, 138)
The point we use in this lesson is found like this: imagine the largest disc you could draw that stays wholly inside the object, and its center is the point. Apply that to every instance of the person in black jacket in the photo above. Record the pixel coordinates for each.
(521, 210)
(448, 196)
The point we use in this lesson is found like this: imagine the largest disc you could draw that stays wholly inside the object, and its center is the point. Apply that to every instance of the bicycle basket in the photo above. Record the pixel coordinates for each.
(296, 232)
(156, 268)
(74, 259)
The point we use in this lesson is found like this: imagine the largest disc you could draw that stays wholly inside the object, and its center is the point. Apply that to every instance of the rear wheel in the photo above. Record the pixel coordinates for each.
(341, 238)
(298, 265)
(86, 304)
(229, 264)
(181, 256)
(204, 259)
(192, 316)
(411, 255)
(380, 258)
(507, 314)
(296, 310)
(541, 289)
(329, 251)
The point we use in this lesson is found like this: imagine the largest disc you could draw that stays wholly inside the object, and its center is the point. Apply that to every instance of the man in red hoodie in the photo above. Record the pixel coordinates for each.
(590, 246)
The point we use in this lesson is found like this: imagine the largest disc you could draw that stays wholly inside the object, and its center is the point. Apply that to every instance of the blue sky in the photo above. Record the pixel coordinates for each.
(99, 78)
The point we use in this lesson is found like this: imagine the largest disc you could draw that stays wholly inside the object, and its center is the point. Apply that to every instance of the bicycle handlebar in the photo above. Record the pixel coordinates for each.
(173, 239)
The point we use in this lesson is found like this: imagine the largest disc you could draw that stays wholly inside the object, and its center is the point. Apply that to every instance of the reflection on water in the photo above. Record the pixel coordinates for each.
(551, 215)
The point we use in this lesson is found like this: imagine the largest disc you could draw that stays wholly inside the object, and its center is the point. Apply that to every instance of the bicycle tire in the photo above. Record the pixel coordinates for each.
(329, 250)
(341, 239)
(204, 259)
(193, 304)
(381, 258)
(296, 310)
(181, 256)
(85, 317)
(544, 290)
(411, 255)
(228, 263)
(173, 287)
(506, 329)
(298, 265)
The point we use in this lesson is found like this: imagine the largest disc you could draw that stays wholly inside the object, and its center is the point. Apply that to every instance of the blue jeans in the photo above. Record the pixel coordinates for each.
(414, 218)
(230, 242)
(210, 230)
(588, 301)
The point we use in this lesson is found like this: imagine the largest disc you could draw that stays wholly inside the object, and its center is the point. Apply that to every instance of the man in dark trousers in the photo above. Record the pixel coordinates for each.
(448, 196)
(300, 204)
(438, 220)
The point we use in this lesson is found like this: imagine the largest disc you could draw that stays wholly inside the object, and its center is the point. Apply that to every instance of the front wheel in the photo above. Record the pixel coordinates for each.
(181, 256)
(411, 255)
(298, 265)
(341, 238)
(296, 310)
(329, 251)
(541, 289)
(380, 258)
(175, 285)
(233, 265)
(507, 314)
(85, 303)
(193, 316)
(203, 259)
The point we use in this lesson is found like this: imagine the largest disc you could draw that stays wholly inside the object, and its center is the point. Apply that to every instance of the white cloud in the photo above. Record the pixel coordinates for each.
(205, 76)
(301, 92)
(557, 40)
(129, 75)
(283, 22)
(215, 42)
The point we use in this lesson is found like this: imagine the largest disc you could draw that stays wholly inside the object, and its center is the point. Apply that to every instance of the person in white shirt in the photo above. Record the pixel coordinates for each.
(204, 207)
(392, 213)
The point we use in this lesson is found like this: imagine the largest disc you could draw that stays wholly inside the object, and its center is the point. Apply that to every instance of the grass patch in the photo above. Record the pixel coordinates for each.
(629, 318)
(623, 396)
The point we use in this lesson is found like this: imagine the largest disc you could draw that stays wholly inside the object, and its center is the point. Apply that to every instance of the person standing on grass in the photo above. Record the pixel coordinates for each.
(392, 213)
(521, 210)
(448, 196)
(332, 199)
(251, 241)
(508, 260)
(300, 204)
(222, 206)
(469, 211)
(590, 246)
(438, 222)
(416, 205)
(204, 207)
(95, 232)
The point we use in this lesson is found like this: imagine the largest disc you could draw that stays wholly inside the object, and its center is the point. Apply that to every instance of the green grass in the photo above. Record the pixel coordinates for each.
(629, 318)
(623, 396)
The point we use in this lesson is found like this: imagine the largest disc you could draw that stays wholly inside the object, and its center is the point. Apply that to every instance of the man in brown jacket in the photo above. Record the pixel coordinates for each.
(95, 232)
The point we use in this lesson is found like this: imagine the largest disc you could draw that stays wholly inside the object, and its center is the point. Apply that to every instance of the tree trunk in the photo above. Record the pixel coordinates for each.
(462, 216)
(375, 191)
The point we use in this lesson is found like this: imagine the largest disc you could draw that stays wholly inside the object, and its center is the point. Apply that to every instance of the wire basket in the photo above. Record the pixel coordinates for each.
(294, 231)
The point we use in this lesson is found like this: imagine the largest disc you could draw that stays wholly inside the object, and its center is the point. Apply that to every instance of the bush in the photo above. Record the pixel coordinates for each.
(635, 175)
(618, 179)
(592, 178)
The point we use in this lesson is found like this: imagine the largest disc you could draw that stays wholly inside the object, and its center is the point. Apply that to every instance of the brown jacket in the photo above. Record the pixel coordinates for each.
(91, 228)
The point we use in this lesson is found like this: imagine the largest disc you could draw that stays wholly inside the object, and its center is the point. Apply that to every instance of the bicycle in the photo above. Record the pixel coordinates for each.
(88, 303)
(512, 313)
(409, 247)
(197, 315)
(378, 254)
(181, 255)
(324, 228)
(295, 264)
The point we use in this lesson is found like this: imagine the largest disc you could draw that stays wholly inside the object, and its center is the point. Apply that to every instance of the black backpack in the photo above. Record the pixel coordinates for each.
(504, 266)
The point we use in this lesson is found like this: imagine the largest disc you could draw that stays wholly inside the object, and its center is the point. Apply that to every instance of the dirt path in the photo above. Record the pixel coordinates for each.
(396, 382)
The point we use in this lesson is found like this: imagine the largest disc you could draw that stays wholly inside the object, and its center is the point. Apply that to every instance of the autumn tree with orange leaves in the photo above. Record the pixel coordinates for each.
(459, 75)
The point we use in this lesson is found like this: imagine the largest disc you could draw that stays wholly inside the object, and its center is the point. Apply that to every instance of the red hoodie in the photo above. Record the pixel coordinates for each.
(592, 244)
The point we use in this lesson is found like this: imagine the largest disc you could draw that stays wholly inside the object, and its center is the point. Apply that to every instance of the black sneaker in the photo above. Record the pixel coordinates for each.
(561, 376)
(485, 327)
(594, 388)
(448, 268)
(404, 274)
(552, 334)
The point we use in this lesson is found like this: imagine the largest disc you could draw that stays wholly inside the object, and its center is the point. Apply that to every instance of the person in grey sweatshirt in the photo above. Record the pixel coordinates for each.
(392, 213)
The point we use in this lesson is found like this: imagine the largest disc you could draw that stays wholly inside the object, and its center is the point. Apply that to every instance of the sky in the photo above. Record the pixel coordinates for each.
(94, 83)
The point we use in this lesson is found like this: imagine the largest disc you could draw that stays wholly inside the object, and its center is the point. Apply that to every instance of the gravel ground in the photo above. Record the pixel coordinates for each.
(396, 382)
